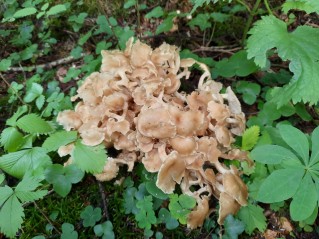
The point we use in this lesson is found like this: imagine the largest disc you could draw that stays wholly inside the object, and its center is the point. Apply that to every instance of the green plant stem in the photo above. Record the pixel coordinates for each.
(244, 4)
(249, 21)
(268, 7)
(15, 92)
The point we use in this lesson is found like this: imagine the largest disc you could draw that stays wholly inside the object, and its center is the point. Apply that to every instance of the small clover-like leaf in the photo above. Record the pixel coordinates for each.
(104, 230)
(68, 231)
(145, 215)
(91, 215)
(180, 206)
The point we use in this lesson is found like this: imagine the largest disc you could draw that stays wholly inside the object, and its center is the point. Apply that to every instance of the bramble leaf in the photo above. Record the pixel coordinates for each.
(271, 32)
(12, 121)
(89, 159)
(280, 185)
(253, 217)
(60, 138)
(34, 124)
(25, 189)
(20, 162)
(250, 137)
(11, 139)
(90, 216)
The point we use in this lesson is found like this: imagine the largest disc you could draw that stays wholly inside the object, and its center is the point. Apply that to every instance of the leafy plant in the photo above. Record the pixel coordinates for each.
(296, 174)
(91, 215)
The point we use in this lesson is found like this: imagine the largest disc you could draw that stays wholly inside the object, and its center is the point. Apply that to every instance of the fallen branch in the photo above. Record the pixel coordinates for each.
(46, 66)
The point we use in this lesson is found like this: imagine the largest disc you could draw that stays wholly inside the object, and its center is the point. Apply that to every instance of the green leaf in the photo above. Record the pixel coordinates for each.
(11, 216)
(253, 217)
(166, 25)
(273, 154)
(40, 102)
(236, 65)
(20, 111)
(72, 73)
(90, 216)
(83, 39)
(129, 200)
(155, 13)
(187, 201)
(28, 160)
(309, 6)
(62, 178)
(32, 93)
(314, 149)
(2, 178)
(296, 140)
(250, 137)
(145, 215)
(76, 53)
(28, 52)
(103, 26)
(198, 3)
(129, 3)
(11, 139)
(24, 12)
(180, 206)
(68, 231)
(249, 90)
(282, 184)
(233, 227)
(58, 139)
(155, 191)
(305, 200)
(164, 216)
(89, 159)
(220, 17)
(25, 190)
(34, 124)
(270, 33)
(5, 64)
(56, 9)
(102, 45)
(104, 230)
(201, 20)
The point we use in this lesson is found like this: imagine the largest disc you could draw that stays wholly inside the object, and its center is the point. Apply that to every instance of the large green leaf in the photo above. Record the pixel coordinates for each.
(305, 200)
(272, 154)
(60, 138)
(25, 190)
(11, 139)
(309, 6)
(34, 124)
(28, 160)
(89, 159)
(300, 47)
(314, 149)
(296, 140)
(280, 185)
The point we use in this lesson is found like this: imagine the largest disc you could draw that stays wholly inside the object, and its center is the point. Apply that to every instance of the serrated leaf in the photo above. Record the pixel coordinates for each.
(40, 102)
(68, 231)
(28, 160)
(90, 216)
(281, 184)
(305, 200)
(233, 227)
(11, 139)
(89, 159)
(270, 33)
(296, 140)
(56, 9)
(32, 93)
(34, 124)
(24, 12)
(11, 216)
(253, 217)
(12, 121)
(273, 154)
(309, 6)
(58, 139)
(25, 189)
(250, 137)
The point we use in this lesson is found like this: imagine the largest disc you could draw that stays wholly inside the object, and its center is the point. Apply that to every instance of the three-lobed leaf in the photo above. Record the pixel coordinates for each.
(253, 217)
(90, 216)
(104, 230)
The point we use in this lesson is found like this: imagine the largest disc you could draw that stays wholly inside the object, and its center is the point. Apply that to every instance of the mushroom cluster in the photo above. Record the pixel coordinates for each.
(133, 105)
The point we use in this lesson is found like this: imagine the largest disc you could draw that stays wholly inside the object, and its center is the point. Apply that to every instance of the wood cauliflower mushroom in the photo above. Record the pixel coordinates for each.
(133, 105)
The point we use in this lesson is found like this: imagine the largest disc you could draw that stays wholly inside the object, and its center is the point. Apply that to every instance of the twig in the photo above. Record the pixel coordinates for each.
(45, 216)
(104, 201)
(14, 91)
(218, 49)
(49, 65)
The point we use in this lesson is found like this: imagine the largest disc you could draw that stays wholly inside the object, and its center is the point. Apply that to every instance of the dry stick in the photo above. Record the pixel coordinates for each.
(104, 200)
(45, 216)
(218, 49)
(14, 91)
(49, 65)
